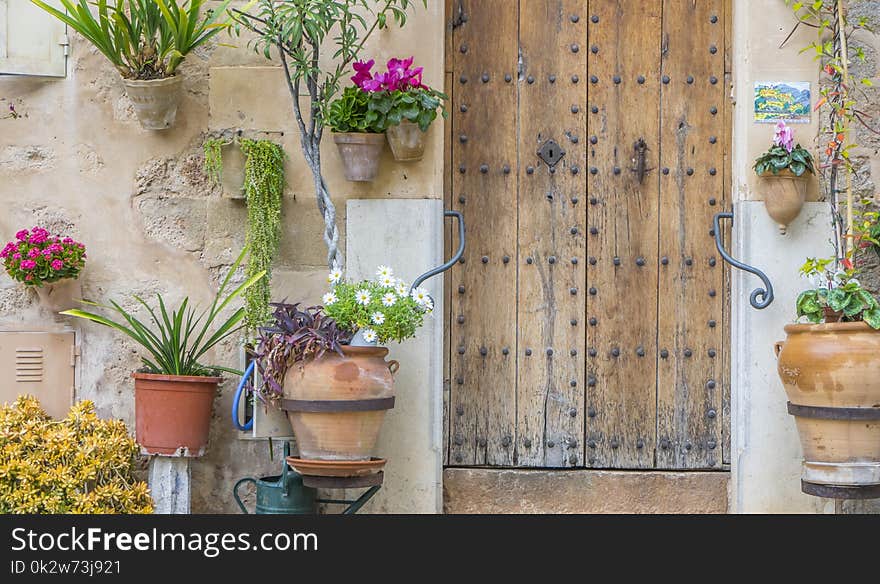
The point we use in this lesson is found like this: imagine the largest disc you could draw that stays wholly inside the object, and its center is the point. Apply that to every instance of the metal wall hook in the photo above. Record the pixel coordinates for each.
(761, 297)
(440, 269)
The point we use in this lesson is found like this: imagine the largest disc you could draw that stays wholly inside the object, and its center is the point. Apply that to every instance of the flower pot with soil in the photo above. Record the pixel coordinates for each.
(174, 391)
(336, 394)
(360, 153)
(50, 264)
(147, 60)
(783, 170)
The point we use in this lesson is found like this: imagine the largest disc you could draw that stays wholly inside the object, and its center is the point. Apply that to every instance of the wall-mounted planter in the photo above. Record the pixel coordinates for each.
(173, 413)
(155, 101)
(232, 180)
(61, 295)
(407, 141)
(360, 153)
(831, 373)
(784, 196)
(337, 404)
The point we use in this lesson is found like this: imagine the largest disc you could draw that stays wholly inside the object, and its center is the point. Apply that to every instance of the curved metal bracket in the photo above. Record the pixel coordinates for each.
(760, 297)
(455, 258)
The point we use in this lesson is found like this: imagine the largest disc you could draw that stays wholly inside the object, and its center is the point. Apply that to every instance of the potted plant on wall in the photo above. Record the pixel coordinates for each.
(146, 40)
(360, 142)
(326, 368)
(174, 391)
(400, 103)
(784, 169)
(48, 264)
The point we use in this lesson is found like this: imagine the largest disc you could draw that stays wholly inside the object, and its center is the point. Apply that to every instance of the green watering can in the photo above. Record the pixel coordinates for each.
(280, 495)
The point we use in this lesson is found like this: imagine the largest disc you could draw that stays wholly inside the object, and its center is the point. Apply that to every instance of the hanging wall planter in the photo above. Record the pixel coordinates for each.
(60, 295)
(784, 170)
(407, 141)
(831, 374)
(360, 153)
(155, 101)
(784, 196)
(145, 42)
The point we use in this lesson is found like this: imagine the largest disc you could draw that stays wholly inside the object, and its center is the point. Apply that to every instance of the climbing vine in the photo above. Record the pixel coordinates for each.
(263, 190)
(213, 167)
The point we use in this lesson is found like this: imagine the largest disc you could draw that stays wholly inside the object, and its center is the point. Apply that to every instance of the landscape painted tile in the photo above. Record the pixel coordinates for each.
(782, 100)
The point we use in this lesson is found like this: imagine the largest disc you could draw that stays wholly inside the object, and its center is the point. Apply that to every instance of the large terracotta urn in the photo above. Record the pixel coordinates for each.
(784, 195)
(831, 373)
(336, 404)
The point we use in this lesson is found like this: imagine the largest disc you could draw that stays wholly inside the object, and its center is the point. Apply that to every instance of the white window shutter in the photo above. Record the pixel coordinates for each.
(32, 41)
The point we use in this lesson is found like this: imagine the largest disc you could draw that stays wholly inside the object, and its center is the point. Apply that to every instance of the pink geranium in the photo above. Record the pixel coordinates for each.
(36, 257)
(28, 264)
(57, 265)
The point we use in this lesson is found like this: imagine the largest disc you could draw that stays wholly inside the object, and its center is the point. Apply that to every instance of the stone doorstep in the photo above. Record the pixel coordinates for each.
(481, 490)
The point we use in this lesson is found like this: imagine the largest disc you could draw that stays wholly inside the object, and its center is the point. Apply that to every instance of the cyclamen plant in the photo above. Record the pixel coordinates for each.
(37, 258)
(398, 94)
(784, 154)
(383, 309)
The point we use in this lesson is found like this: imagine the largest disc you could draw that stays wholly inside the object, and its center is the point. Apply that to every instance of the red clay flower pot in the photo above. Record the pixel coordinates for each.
(173, 413)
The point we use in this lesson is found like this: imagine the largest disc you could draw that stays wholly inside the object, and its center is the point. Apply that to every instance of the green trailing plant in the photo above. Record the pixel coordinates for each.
(178, 339)
(143, 39)
(298, 31)
(213, 166)
(263, 190)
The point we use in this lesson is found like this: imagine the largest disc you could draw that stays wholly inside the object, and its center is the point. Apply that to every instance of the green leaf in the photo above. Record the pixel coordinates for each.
(872, 318)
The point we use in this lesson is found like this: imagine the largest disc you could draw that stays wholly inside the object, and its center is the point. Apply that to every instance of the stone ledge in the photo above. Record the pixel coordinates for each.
(480, 490)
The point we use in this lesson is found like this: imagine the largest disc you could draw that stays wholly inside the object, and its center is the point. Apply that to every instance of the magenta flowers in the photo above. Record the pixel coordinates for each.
(783, 136)
(35, 257)
(400, 76)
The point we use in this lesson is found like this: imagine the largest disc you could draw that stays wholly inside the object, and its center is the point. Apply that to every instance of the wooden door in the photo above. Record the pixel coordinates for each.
(587, 155)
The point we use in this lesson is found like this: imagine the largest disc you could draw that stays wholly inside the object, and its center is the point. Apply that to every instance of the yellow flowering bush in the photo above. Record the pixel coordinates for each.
(81, 464)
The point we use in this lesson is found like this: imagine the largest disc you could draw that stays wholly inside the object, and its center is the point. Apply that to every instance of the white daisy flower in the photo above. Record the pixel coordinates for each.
(362, 297)
(334, 277)
(429, 305)
(401, 288)
(420, 295)
(329, 298)
(384, 271)
(386, 281)
(378, 318)
(369, 335)
(389, 299)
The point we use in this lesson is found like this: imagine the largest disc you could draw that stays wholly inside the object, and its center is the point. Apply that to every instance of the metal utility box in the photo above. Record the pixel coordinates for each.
(41, 364)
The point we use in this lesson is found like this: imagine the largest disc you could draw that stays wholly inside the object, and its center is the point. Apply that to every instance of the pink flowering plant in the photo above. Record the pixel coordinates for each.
(784, 154)
(378, 101)
(35, 257)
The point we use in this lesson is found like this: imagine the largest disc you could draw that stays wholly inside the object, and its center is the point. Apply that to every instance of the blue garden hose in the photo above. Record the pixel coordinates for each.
(237, 399)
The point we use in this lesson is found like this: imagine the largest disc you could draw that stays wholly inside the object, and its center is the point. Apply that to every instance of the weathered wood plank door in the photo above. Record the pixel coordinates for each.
(586, 322)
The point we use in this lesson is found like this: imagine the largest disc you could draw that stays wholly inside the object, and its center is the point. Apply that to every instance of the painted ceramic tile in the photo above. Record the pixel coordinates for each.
(782, 100)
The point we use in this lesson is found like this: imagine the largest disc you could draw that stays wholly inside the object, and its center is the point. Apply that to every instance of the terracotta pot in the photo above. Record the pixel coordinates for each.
(336, 405)
(61, 295)
(784, 196)
(155, 101)
(831, 373)
(361, 154)
(173, 413)
(407, 141)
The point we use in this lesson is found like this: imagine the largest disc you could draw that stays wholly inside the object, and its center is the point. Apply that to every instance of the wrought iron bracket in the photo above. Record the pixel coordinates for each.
(455, 258)
(761, 297)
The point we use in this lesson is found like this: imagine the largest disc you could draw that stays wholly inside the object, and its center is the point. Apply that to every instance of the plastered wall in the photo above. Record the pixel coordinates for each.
(76, 161)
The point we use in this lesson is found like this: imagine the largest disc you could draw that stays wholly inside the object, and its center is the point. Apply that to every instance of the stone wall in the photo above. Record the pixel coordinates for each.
(75, 160)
